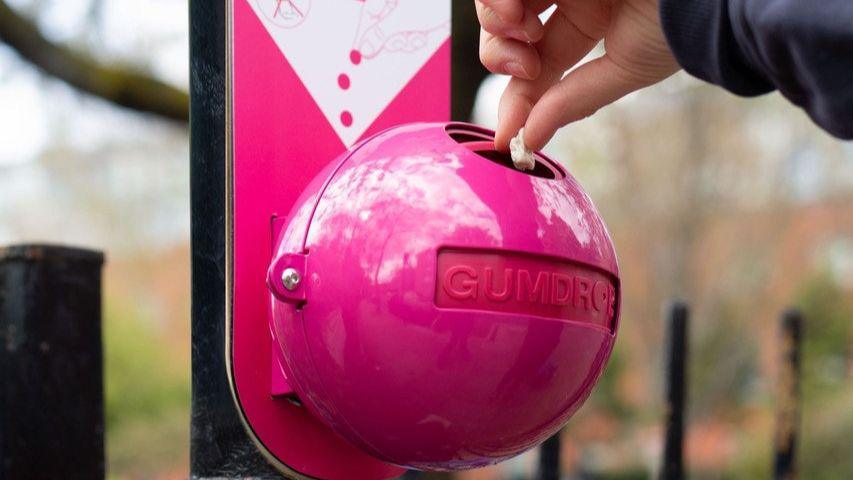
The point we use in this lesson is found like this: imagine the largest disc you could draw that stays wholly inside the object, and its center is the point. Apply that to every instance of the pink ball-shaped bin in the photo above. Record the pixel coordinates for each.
(438, 308)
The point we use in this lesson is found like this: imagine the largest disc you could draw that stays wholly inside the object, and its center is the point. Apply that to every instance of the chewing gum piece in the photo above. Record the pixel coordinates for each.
(522, 158)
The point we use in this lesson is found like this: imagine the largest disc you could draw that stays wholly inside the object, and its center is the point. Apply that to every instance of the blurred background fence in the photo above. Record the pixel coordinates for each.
(739, 207)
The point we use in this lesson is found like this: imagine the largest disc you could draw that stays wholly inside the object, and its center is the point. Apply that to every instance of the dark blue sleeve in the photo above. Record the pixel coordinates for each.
(803, 48)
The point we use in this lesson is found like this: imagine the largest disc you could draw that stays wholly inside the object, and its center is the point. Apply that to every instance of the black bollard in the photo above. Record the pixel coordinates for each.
(676, 386)
(51, 363)
(788, 396)
(549, 459)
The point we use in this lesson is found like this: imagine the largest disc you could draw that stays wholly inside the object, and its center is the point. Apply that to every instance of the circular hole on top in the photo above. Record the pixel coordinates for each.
(540, 169)
(482, 142)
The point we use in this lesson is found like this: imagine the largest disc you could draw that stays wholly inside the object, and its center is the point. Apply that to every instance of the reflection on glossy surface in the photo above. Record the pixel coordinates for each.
(372, 355)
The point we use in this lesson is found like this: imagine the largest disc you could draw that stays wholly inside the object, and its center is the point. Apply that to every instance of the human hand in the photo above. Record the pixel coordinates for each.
(514, 41)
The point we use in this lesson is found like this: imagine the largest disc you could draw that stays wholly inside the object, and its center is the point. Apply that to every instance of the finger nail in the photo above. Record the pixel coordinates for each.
(516, 69)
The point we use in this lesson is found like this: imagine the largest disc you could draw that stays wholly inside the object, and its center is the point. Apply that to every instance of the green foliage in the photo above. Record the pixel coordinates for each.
(146, 393)
(634, 474)
(722, 366)
(827, 416)
(754, 459)
(827, 337)
(605, 395)
(826, 446)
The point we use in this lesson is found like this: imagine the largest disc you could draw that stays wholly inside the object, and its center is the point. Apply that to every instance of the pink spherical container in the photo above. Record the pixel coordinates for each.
(438, 308)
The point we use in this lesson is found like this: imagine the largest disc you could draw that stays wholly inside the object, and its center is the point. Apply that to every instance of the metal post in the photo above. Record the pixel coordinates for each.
(549, 459)
(788, 396)
(676, 385)
(51, 363)
(219, 444)
(467, 73)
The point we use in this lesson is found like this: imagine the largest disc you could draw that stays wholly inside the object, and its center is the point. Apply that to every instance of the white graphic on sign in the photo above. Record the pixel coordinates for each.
(354, 56)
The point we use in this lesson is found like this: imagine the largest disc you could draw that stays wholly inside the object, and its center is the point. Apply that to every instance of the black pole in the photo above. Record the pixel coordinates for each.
(219, 444)
(549, 459)
(51, 363)
(676, 382)
(788, 396)
(467, 73)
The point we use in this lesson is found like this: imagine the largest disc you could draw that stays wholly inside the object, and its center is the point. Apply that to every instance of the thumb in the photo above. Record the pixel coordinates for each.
(578, 95)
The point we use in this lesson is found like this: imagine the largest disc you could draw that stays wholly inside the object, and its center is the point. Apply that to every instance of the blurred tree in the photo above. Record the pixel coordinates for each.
(120, 85)
(829, 336)
(147, 395)
(131, 88)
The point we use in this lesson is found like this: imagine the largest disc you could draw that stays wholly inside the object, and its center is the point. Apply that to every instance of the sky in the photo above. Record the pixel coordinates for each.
(76, 169)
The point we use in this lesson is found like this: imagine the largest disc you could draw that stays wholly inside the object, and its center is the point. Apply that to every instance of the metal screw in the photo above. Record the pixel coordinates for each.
(290, 278)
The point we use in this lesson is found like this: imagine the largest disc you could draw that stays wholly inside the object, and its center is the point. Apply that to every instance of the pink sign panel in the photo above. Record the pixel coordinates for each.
(309, 79)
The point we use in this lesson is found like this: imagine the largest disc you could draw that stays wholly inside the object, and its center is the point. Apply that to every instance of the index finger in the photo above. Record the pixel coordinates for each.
(563, 45)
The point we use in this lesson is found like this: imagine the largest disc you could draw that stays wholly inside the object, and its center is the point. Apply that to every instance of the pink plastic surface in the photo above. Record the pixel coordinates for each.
(271, 109)
(401, 346)
(510, 282)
